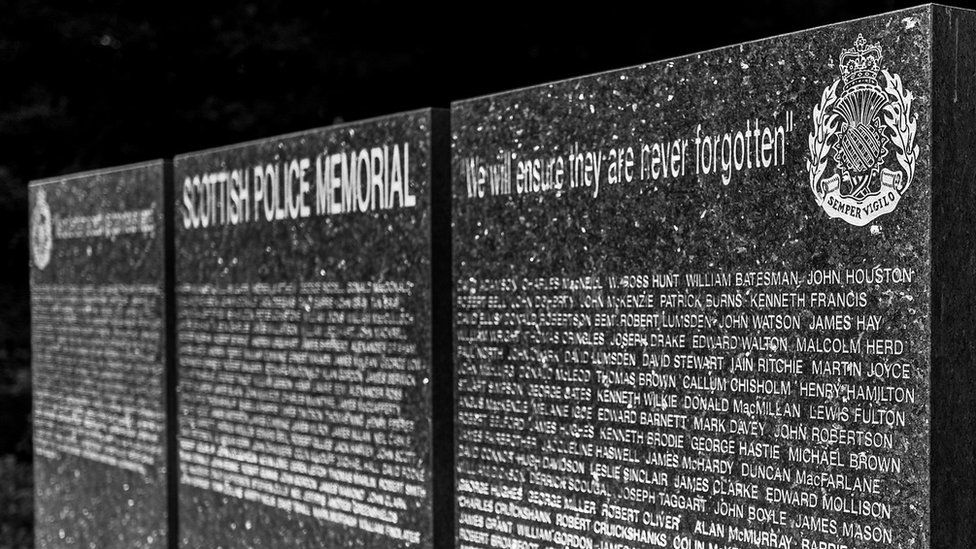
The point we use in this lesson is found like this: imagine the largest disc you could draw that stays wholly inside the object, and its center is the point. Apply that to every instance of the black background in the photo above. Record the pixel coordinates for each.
(87, 84)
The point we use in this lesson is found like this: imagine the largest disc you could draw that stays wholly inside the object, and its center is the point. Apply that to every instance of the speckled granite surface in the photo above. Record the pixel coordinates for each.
(953, 478)
(379, 245)
(85, 501)
(852, 189)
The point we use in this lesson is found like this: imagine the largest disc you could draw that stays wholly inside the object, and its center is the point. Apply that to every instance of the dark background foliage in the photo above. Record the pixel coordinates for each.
(86, 84)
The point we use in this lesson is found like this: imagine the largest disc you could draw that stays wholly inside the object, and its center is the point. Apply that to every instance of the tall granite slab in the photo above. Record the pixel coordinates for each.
(100, 362)
(313, 349)
(723, 300)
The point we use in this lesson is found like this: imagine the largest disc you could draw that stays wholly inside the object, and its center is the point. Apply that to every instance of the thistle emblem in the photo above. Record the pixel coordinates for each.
(858, 118)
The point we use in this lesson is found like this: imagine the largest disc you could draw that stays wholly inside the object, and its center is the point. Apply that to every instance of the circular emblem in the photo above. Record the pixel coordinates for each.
(862, 148)
(41, 236)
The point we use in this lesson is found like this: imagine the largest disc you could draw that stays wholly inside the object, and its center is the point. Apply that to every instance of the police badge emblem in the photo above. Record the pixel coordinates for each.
(864, 125)
(41, 236)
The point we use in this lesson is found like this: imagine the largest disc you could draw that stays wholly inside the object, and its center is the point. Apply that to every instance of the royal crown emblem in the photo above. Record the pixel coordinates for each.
(856, 132)
(41, 235)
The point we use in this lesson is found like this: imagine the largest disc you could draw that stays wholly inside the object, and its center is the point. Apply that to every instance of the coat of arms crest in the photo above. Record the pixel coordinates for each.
(41, 236)
(862, 119)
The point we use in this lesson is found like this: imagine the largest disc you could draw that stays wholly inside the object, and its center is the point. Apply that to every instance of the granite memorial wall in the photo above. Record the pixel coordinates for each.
(100, 362)
(314, 407)
(723, 301)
